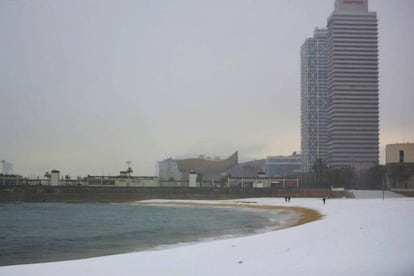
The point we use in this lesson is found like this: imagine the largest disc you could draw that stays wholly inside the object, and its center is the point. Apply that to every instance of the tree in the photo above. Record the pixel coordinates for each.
(342, 176)
(199, 178)
(373, 177)
(320, 171)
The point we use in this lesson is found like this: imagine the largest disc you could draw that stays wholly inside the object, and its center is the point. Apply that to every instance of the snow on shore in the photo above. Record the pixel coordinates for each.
(355, 237)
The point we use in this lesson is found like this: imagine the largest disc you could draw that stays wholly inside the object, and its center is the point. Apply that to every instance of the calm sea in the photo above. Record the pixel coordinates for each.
(43, 232)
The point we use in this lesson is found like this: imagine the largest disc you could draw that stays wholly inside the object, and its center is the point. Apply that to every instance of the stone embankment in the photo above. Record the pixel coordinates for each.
(127, 194)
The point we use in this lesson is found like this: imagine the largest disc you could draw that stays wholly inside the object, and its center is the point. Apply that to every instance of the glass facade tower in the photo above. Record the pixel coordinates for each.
(314, 99)
(340, 92)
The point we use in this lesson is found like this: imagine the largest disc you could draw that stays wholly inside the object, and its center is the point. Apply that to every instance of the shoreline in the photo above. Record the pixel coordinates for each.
(306, 214)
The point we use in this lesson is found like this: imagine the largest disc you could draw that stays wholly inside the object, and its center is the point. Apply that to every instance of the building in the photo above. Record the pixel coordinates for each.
(262, 181)
(168, 170)
(136, 181)
(247, 169)
(314, 98)
(339, 92)
(192, 180)
(54, 178)
(281, 166)
(352, 62)
(399, 163)
(7, 167)
(123, 181)
(11, 180)
(206, 168)
(399, 153)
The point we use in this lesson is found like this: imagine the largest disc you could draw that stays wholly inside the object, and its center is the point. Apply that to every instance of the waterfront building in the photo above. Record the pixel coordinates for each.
(314, 99)
(168, 170)
(11, 180)
(192, 180)
(353, 123)
(123, 181)
(207, 168)
(247, 169)
(54, 178)
(136, 181)
(399, 163)
(281, 166)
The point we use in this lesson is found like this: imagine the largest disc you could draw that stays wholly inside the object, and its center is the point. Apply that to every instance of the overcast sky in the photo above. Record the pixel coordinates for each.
(87, 85)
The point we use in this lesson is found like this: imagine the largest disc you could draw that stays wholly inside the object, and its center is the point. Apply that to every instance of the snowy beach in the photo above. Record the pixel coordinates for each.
(362, 236)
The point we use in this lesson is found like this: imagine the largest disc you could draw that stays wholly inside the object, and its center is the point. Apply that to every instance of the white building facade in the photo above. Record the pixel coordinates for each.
(54, 178)
(168, 170)
(353, 111)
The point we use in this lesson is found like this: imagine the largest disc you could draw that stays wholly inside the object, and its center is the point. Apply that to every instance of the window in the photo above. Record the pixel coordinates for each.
(401, 156)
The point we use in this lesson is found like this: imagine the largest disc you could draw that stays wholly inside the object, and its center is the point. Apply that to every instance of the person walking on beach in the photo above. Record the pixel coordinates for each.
(323, 199)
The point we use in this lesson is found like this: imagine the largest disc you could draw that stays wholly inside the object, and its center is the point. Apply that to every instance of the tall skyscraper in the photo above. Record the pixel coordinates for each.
(353, 123)
(314, 98)
(339, 94)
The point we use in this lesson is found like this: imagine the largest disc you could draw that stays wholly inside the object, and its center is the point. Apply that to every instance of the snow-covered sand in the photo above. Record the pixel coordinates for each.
(355, 237)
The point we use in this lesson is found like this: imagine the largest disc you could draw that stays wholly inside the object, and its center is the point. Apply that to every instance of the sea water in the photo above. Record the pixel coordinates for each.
(44, 232)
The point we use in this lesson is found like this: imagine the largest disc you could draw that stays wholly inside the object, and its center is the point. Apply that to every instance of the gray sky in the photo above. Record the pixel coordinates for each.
(88, 85)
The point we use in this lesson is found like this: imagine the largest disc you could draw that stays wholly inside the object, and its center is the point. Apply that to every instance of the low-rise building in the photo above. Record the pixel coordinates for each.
(192, 180)
(261, 181)
(137, 181)
(280, 166)
(123, 181)
(54, 178)
(399, 162)
(10, 180)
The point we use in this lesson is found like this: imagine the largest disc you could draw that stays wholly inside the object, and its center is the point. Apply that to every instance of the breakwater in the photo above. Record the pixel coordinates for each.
(127, 194)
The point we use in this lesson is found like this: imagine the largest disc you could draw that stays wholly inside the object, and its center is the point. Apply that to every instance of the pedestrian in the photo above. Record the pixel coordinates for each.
(323, 199)
(285, 198)
(288, 198)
